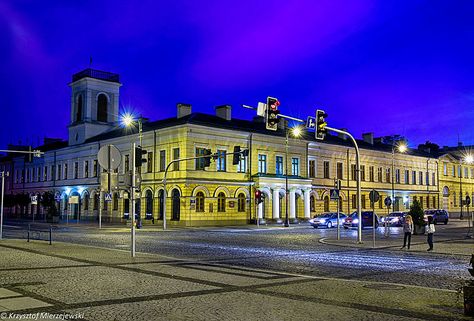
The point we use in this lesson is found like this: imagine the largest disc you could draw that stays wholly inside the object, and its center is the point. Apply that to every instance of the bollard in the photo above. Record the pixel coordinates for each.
(28, 239)
(50, 234)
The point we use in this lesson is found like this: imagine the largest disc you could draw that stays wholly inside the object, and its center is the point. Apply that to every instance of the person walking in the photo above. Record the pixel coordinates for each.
(408, 230)
(430, 229)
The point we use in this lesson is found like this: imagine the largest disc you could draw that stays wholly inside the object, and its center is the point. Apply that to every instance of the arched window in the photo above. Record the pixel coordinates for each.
(79, 108)
(86, 202)
(326, 203)
(149, 204)
(221, 202)
(241, 202)
(200, 202)
(102, 108)
(311, 204)
(175, 205)
(96, 201)
(160, 204)
(115, 207)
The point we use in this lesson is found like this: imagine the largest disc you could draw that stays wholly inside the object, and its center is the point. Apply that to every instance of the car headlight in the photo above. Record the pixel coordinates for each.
(311, 220)
(355, 221)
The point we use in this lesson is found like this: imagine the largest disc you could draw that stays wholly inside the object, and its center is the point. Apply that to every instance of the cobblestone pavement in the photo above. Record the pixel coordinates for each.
(94, 283)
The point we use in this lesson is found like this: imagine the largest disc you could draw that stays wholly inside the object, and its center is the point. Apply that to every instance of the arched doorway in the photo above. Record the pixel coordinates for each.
(76, 207)
(175, 202)
(149, 204)
(445, 198)
(160, 204)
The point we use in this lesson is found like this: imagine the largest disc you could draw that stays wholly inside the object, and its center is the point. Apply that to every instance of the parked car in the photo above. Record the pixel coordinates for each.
(367, 220)
(327, 220)
(438, 216)
(394, 219)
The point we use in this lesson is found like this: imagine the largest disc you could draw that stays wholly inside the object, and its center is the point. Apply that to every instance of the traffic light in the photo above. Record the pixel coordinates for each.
(139, 154)
(207, 158)
(258, 196)
(320, 124)
(236, 155)
(271, 113)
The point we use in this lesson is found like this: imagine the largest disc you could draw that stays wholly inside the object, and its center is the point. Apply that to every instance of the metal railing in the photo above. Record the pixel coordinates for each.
(36, 234)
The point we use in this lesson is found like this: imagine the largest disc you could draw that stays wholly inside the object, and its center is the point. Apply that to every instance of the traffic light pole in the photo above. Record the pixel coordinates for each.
(359, 213)
(132, 198)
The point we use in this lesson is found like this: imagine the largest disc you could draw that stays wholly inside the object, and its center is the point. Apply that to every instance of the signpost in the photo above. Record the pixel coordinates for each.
(388, 202)
(374, 197)
(469, 217)
(335, 195)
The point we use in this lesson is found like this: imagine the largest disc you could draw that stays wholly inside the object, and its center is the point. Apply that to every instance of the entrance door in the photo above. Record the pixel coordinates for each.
(175, 205)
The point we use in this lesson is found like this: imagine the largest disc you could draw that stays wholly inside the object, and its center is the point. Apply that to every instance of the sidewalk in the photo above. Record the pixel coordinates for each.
(92, 283)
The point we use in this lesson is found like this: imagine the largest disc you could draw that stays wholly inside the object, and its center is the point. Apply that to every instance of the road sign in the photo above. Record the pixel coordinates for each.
(108, 197)
(334, 194)
(109, 155)
(311, 122)
(388, 201)
(374, 196)
(468, 200)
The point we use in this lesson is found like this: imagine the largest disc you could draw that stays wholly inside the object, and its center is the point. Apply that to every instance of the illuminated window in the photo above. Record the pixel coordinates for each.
(241, 202)
(200, 202)
(262, 164)
(221, 161)
(279, 165)
(221, 202)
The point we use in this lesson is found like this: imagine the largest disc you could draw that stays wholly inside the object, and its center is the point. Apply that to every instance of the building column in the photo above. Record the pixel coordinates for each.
(276, 204)
(260, 211)
(292, 213)
(307, 205)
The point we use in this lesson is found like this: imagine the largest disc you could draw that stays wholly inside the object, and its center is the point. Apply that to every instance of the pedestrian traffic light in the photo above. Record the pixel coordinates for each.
(139, 156)
(258, 196)
(207, 158)
(321, 124)
(271, 113)
(236, 155)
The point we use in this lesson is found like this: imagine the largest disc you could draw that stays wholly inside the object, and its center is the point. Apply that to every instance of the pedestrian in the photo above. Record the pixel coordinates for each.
(430, 229)
(407, 230)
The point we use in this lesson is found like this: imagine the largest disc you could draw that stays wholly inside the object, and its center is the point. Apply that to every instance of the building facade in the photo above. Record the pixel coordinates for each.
(223, 193)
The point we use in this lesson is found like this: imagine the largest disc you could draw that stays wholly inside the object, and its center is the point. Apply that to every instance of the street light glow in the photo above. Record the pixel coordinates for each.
(402, 148)
(296, 131)
(127, 119)
(469, 159)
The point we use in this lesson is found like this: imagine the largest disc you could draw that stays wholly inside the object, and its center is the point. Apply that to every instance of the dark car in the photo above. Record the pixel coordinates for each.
(394, 219)
(367, 220)
(438, 216)
(327, 220)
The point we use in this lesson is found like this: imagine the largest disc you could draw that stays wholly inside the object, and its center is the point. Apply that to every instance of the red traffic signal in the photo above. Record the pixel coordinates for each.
(271, 113)
(258, 196)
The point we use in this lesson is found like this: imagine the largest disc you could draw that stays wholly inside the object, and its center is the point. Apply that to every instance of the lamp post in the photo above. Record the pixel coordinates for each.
(468, 159)
(2, 174)
(402, 148)
(128, 120)
(296, 132)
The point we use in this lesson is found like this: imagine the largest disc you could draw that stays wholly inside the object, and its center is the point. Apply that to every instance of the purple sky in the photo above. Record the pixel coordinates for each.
(388, 67)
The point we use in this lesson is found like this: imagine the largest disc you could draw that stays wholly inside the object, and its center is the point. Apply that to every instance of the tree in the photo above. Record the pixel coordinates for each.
(49, 203)
(418, 216)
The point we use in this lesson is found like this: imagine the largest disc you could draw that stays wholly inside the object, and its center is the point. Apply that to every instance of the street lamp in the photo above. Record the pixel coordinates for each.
(401, 148)
(468, 159)
(129, 120)
(295, 132)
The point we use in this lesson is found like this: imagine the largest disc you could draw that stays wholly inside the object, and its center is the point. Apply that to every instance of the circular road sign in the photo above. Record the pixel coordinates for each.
(374, 196)
(468, 200)
(109, 155)
(388, 201)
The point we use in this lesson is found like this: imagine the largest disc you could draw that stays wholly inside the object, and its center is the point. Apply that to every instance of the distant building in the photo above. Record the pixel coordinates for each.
(222, 194)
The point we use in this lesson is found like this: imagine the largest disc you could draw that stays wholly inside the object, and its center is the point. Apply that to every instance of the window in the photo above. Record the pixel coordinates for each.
(363, 201)
(312, 168)
(445, 169)
(459, 171)
(472, 172)
(262, 164)
(149, 162)
(326, 203)
(397, 175)
(199, 152)
(339, 171)
(427, 178)
(379, 174)
(53, 172)
(326, 169)
(126, 166)
(175, 157)
(96, 201)
(102, 108)
(454, 171)
(420, 179)
(433, 179)
(354, 200)
(65, 171)
(466, 172)
(76, 170)
(311, 203)
(295, 166)
(421, 201)
(279, 165)
(86, 202)
(200, 202)
(434, 201)
(79, 108)
(116, 201)
(221, 160)
(407, 176)
(242, 166)
(371, 173)
(353, 172)
(362, 172)
(454, 199)
(86, 169)
(96, 168)
(388, 177)
(199, 163)
(427, 202)
(241, 202)
(45, 173)
(59, 171)
(221, 202)
(413, 177)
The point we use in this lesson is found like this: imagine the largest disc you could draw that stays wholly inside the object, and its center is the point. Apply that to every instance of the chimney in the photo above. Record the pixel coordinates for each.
(368, 138)
(183, 110)
(224, 112)
(343, 136)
